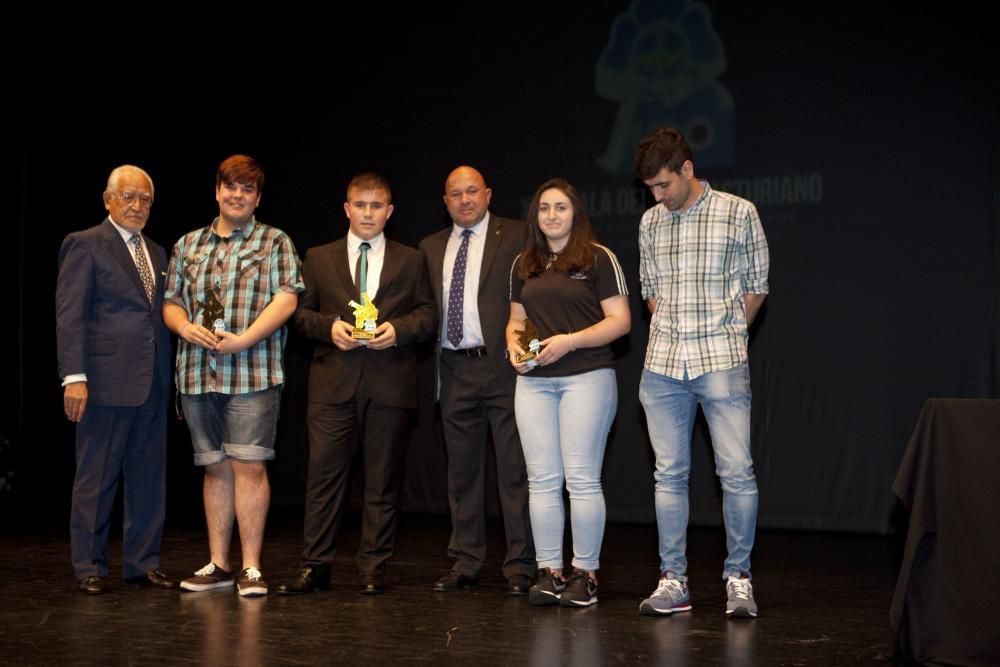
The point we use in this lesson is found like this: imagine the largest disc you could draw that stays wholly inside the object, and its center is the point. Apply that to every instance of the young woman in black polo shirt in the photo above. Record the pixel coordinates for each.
(573, 290)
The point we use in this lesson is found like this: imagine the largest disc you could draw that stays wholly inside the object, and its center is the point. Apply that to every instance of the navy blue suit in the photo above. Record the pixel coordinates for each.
(107, 329)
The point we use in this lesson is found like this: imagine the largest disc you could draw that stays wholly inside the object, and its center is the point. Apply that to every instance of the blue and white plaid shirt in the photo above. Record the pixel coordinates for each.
(246, 270)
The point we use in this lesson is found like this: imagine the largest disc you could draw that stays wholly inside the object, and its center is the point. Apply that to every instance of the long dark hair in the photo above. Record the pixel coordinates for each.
(578, 255)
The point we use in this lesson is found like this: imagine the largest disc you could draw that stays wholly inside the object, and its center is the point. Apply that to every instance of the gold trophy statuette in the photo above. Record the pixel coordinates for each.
(529, 341)
(365, 316)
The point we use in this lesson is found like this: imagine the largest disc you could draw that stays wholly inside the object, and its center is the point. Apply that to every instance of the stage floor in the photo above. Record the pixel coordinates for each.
(824, 600)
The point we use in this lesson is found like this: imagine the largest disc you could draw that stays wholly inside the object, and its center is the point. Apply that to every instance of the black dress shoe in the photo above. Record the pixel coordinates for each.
(454, 581)
(94, 585)
(308, 579)
(372, 584)
(153, 579)
(519, 585)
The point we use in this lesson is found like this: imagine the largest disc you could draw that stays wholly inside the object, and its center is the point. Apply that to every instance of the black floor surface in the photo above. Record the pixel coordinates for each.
(824, 600)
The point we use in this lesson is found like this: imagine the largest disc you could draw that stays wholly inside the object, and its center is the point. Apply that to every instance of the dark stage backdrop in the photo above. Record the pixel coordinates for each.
(867, 140)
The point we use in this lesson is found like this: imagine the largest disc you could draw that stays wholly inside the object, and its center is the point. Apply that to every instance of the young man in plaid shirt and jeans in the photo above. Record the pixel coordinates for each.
(230, 288)
(703, 264)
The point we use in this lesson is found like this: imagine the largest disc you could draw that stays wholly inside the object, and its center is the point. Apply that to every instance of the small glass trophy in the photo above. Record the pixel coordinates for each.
(529, 342)
(213, 315)
(365, 316)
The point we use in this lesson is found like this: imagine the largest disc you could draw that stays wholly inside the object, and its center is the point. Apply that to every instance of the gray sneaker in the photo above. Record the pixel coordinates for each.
(740, 593)
(671, 596)
(251, 583)
(209, 577)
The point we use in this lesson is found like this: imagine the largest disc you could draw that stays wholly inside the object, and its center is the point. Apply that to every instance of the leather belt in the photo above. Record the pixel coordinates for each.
(468, 351)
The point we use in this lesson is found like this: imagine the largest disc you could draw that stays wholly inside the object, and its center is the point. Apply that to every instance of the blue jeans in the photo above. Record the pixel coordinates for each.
(239, 426)
(670, 407)
(564, 424)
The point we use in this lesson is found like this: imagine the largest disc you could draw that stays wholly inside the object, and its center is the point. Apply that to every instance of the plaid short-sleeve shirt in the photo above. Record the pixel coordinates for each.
(244, 271)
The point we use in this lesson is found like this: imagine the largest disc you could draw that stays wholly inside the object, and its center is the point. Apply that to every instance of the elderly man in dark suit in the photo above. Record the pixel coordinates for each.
(469, 265)
(114, 361)
(360, 388)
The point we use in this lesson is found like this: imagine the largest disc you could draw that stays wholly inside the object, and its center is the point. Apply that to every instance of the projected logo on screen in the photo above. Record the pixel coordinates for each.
(661, 65)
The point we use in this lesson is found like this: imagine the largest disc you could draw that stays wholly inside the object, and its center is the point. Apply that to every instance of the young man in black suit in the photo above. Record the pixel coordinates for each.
(361, 390)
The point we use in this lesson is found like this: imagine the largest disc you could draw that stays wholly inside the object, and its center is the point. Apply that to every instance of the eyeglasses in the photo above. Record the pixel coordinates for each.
(128, 198)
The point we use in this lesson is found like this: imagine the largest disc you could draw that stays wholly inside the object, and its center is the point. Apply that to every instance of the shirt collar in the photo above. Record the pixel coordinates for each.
(244, 231)
(706, 190)
(126, 233)
(354, 242)
(477, 229)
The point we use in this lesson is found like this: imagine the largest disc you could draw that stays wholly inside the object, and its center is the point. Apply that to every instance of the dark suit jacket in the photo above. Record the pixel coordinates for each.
(504, 240)
(105, 327)
(403, 298)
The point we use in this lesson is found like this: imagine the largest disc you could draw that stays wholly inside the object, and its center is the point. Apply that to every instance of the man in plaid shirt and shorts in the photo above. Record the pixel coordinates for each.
(230, 288)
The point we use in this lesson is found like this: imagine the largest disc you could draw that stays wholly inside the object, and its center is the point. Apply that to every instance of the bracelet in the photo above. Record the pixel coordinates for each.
(572, 347)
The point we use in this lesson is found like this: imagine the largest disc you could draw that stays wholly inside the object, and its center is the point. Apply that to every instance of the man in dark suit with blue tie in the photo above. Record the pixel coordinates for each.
(469, 265)
(362, 391)
(114, 361)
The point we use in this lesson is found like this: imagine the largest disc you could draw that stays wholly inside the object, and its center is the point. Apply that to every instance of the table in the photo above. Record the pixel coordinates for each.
(947, 600)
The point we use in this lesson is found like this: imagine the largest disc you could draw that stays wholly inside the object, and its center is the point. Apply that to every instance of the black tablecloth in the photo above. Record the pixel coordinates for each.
(947, 603)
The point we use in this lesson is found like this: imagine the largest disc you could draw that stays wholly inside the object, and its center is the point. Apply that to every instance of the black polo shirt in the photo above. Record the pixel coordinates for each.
(560, 303)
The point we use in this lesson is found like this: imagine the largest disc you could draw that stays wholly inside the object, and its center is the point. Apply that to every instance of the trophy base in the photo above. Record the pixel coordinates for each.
(361, 334)
(527, 356)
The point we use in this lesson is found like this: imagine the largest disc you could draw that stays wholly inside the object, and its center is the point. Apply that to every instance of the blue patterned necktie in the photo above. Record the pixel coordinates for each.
(361, 271)
(456, 293)
(142, 265)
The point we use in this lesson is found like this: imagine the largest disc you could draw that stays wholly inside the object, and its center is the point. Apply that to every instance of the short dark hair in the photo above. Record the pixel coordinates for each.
(662, 148)
(369, 180)
(578, 255)
(241, 169)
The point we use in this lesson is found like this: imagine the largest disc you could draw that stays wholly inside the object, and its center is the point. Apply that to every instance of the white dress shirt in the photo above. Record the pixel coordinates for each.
(376, 257)
(472, 331)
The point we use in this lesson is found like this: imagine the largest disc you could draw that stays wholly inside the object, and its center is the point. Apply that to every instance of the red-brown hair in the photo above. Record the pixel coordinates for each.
(241, 169)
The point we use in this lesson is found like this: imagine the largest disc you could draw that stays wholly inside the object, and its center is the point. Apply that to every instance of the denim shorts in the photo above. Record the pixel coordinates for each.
(238, 426)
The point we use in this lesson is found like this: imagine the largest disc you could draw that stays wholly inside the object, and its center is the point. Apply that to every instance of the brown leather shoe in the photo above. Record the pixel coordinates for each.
(518, 585)
(309, 578)
(153, 579)
(372, 584)
(94, 585)
(454, 581)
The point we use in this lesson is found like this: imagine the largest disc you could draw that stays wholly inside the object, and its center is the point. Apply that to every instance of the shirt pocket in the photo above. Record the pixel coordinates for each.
(249, 264)
(721, 251)
(193, 265)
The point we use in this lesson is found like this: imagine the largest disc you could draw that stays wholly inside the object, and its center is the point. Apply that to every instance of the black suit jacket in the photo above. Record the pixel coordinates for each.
(404, 298)
(505, 238)
(105, 327)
